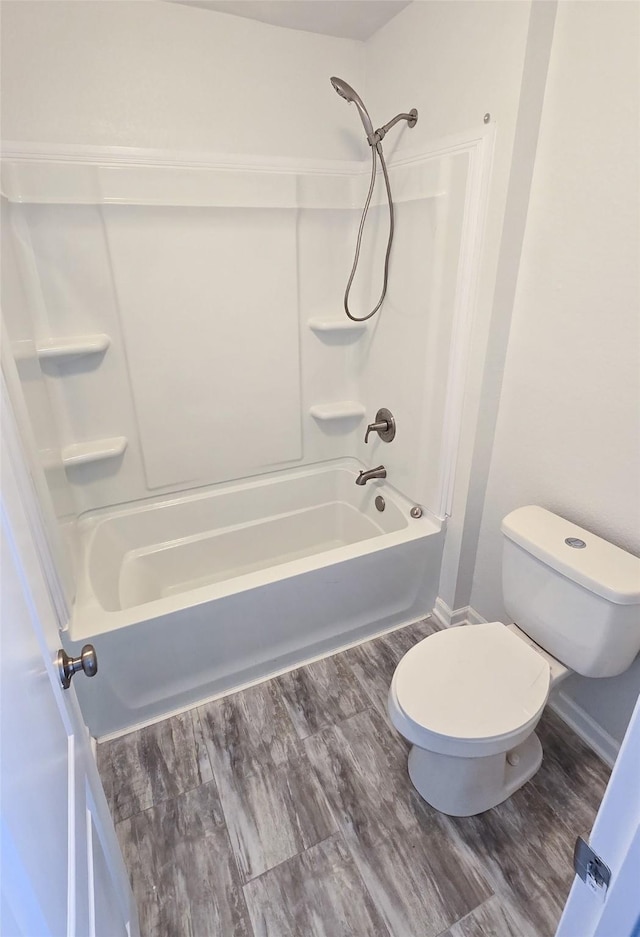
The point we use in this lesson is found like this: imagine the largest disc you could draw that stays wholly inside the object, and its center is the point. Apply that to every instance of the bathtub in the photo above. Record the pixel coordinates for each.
(187, 597)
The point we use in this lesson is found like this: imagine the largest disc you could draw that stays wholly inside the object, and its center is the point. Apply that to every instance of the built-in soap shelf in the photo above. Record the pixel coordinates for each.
(341, 410)
(335, 326)
(80, 453)
(73, 346)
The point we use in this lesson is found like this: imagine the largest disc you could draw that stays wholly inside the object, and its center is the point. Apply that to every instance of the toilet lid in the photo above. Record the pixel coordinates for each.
(474, 682)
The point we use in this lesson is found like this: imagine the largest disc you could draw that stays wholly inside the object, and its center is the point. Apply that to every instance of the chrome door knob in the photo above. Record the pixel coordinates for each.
(67, 666)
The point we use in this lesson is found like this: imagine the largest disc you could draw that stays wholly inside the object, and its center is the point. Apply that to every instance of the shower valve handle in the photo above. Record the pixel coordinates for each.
(384, 426)
(380, 427)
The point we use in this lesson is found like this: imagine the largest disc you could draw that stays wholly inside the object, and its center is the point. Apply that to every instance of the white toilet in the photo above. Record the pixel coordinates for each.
(469, 698)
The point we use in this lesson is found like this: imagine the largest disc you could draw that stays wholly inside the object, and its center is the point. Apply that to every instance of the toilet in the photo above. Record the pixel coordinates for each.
(468, 699)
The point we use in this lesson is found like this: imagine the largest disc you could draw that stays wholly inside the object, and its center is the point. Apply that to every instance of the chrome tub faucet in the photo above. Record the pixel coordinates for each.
(365, 476)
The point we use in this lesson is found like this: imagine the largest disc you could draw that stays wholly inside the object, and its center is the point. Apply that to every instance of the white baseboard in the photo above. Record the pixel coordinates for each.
(448, 618)
(582, 724)
(441, 613)
(472, 617)
(587, 728)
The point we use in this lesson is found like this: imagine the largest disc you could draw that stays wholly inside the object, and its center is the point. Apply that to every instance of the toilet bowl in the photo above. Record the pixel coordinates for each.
(469, 699)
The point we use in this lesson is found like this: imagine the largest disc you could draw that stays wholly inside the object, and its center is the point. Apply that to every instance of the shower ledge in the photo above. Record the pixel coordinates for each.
(74, 346)
(80, 453)
(341, 410)
(336, 325)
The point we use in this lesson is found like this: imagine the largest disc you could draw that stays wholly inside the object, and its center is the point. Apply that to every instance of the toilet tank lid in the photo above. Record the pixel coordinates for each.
(599, 566)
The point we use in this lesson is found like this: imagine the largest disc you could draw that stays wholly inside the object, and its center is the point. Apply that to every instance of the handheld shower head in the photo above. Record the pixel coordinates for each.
(374, 139)
(346, 91)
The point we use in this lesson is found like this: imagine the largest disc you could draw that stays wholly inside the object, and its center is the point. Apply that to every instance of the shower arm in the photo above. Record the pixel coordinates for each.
(380, 134)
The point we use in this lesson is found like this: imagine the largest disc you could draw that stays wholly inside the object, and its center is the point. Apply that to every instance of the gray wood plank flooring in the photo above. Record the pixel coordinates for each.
(182, 870)
(323, 888)
(491, 919)
(154, 764)
(321, 694)
(374, 662)
(274, 815)
(286, 810)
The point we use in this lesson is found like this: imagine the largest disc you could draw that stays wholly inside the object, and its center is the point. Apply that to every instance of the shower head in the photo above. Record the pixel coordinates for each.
(346, 91)
(374, 137)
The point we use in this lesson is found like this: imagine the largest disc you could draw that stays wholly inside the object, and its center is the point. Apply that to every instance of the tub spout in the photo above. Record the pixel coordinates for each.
(364, 477)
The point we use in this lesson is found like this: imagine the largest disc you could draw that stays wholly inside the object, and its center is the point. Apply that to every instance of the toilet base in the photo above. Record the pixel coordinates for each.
(463, 787)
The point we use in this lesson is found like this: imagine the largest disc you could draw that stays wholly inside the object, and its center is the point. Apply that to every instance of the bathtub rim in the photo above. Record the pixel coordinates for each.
(263, 479)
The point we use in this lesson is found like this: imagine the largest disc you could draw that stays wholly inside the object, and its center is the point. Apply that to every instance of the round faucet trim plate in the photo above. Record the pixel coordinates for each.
(386, 416)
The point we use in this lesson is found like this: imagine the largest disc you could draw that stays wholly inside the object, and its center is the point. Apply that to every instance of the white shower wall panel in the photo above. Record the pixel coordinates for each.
(393, 357)
(208, 301)
(209, 282)
(71, 292)
(19, 334)
(86, 277)
(403, 361)
(325, 242)
(74, 280)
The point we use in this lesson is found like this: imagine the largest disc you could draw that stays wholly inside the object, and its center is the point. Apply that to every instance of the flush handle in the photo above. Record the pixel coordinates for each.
(67, 666)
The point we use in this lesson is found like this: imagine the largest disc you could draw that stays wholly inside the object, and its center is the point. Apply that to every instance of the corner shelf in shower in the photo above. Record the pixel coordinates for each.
(80, 453)
(73, 347)
(342, 410)
(333, 326)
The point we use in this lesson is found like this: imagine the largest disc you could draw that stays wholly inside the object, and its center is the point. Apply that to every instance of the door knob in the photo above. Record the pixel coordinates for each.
(67, 666)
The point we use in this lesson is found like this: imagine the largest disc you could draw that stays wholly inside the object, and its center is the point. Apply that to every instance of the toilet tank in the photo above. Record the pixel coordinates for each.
(574, 594)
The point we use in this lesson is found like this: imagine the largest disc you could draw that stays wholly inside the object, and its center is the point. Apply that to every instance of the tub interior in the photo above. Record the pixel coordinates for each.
(168, 547)
(178, 566)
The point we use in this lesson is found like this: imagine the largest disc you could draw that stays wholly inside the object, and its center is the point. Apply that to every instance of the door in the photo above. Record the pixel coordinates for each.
(615, 838)
(62, 870)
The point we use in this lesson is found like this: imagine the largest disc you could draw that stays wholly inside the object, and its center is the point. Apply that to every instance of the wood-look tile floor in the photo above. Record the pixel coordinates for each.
(285, 810)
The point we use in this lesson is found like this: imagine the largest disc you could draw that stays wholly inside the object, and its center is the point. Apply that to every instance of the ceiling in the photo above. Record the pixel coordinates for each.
(348, 19)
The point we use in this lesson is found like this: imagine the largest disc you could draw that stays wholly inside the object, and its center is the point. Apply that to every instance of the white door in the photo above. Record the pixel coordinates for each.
(61, 869)
(615, 838)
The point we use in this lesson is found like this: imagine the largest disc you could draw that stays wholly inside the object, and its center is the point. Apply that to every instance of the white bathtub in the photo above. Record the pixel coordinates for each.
(186, 597)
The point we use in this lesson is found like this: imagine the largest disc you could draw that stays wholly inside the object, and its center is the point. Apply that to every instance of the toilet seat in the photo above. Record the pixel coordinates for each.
(471, 691)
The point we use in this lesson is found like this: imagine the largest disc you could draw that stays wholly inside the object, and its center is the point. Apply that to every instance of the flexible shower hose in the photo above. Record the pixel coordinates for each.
(378, 147)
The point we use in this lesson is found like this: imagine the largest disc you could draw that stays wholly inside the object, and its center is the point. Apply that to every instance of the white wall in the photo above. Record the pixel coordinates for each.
(162, 75)
(453, 61)
(568, 432)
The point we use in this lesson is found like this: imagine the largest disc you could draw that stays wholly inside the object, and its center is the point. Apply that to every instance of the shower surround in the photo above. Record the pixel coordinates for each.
(185, 328)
